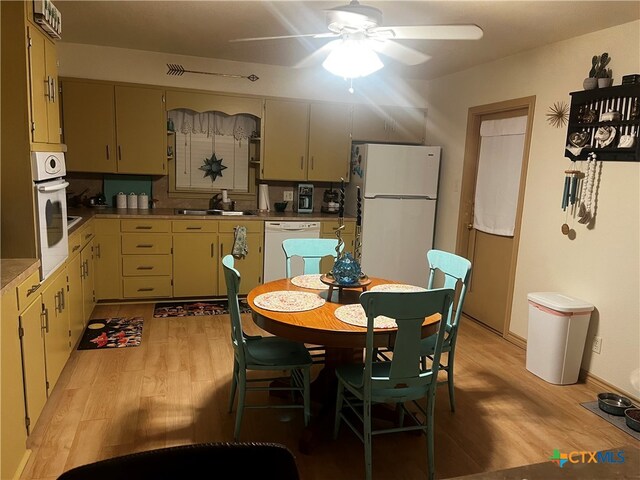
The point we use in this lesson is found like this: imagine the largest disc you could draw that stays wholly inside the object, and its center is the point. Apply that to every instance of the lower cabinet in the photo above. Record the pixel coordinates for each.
(80, 280)
(88, 282)
(250, 267)
(195, 259)
(75, 298)
(107, 259)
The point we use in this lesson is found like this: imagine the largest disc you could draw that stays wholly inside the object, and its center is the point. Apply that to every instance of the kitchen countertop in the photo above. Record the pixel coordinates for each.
(16, 270)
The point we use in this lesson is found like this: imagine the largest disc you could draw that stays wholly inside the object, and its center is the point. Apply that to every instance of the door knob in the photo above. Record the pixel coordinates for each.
(469, 226)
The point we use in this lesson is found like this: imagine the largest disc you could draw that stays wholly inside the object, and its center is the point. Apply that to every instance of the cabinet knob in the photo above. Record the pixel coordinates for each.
(469, 226)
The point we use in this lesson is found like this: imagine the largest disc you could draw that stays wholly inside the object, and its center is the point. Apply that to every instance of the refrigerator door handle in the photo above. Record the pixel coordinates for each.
(399, 197)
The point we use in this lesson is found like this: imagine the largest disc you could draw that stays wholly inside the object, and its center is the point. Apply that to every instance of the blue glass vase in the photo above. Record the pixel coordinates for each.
(346, 271)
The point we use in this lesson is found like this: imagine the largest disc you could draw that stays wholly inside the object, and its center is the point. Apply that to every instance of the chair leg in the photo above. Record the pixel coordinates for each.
(234, 384)
(339, 400)
(400, 411)
(452, 399)
(430, 441)
(242, 381)
(367, 440)
(307, 395)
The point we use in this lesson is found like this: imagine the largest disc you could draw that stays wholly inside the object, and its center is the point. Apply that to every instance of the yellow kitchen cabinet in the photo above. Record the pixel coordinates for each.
(13, 434)
(328, 230)
(375, 123)
(56, 326)
(75, 297)
(88, 281)
(80, 279)
(43, 68)
(306, 142)
(107, 259)
(113, 128)
(250, 267)
(137, 247)
(195, 259)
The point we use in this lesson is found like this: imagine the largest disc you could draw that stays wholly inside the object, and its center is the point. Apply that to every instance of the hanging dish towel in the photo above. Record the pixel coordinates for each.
(240, 242)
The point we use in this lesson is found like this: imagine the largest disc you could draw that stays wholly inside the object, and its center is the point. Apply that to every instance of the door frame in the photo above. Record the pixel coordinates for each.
(469, 171)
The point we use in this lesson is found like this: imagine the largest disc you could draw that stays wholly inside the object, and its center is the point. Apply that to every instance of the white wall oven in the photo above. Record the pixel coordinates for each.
(51, 209)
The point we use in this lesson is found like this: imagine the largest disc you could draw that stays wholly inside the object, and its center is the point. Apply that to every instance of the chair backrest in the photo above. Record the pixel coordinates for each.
(312, 251)
(454, 269)
(232, 279)
(409, 310)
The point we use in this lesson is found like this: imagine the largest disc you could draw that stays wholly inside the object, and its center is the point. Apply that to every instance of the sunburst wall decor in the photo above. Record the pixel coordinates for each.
(212, 167)
(558, 114)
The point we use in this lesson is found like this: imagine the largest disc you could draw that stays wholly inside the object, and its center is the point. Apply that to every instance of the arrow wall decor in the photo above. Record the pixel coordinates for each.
(178, 70)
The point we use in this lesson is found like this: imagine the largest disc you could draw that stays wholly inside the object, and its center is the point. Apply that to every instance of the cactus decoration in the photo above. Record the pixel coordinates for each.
(599, 66)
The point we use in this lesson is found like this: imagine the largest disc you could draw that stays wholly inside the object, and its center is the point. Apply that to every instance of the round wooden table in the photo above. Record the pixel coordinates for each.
(343, 342)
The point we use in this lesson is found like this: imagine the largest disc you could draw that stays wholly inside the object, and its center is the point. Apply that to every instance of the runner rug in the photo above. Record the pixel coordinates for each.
(186, 309)
(115, 332)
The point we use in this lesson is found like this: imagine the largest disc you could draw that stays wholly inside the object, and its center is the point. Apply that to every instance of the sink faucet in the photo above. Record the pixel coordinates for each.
(216, 202)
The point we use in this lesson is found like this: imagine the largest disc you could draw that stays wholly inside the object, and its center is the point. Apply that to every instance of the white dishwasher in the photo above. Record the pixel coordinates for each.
(274, 234)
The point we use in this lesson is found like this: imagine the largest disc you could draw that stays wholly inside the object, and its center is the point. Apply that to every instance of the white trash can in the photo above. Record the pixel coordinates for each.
(557, 333)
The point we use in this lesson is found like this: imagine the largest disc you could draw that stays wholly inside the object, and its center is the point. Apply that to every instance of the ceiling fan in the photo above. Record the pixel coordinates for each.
(358, 31)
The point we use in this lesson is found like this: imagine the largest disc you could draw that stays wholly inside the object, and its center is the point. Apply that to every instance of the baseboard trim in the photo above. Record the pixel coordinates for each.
(517, 340)
(604, 386)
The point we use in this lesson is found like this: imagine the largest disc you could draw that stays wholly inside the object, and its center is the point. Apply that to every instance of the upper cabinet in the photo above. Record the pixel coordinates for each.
(43, 68)
(305, 141)
(114, 128)
(373, 123)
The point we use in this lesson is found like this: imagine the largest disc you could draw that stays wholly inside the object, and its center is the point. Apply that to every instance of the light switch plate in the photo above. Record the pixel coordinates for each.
(287, 196)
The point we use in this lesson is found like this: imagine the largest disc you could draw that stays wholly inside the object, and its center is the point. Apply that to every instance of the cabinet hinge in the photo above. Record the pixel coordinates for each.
(29, 43)
(33, 126)
(20, 332)
(46, 384)
(172, 282)
(27, 422)
(69, 333)
(164, 100)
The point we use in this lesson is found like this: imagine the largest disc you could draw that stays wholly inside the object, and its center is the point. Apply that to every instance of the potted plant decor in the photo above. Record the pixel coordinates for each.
(598, 71)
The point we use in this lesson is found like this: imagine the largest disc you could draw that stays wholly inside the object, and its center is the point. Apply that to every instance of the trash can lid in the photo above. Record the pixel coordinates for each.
(559, 302)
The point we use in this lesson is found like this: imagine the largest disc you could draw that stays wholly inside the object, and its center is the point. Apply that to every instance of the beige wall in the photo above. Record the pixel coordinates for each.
(602, 264)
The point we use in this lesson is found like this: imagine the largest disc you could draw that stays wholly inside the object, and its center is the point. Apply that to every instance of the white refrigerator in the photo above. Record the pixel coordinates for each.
(399, 191)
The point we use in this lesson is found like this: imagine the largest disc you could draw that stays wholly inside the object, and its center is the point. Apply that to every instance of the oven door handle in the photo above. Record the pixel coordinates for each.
(53, 188)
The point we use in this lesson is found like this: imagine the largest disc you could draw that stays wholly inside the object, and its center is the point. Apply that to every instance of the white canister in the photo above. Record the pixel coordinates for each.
(121, 200)
(143, 201)
(132, 200)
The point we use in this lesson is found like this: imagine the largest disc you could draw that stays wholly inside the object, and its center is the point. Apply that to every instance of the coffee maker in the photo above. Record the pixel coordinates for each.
(304, 200)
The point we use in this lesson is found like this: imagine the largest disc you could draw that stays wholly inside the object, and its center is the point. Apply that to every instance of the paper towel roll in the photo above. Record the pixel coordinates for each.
(263, 198)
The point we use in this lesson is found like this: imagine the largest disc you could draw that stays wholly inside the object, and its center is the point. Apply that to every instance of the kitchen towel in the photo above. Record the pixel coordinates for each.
(263, 197)
(240, 249)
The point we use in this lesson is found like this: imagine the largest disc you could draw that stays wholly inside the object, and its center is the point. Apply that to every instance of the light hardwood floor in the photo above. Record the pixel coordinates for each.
(173, 390)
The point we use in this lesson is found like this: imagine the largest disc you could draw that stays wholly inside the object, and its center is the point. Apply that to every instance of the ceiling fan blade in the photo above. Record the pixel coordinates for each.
(317, 56)
(307, 35)
(399, 52)
(434, 32)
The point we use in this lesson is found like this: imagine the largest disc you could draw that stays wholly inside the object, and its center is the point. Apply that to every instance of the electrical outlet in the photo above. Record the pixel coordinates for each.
(597, 345)
(287, 196)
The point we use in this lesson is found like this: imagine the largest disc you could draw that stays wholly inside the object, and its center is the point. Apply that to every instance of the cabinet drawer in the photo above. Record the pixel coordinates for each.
(146, 265)
(252, 226)
(75, 243)
(194, 226)
(146, 244)
(137, 225)
(88, 233)
(27, 290)
(142, 287)
(330, 227)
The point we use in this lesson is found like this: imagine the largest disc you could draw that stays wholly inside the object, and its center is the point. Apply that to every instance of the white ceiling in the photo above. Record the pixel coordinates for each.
(204, 28)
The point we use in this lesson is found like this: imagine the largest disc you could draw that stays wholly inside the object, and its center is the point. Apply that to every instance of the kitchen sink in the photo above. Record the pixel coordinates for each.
(186, 211)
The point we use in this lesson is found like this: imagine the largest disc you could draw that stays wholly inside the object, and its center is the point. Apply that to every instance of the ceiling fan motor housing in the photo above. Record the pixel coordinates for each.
(353, 17)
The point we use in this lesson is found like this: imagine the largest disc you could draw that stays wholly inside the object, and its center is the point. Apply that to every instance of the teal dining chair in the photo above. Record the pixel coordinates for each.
(400, 379)
(456, 270)
(312, 251)
(263, 353)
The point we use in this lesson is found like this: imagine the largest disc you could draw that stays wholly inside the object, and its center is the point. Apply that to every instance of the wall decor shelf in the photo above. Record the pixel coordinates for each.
(605, 121)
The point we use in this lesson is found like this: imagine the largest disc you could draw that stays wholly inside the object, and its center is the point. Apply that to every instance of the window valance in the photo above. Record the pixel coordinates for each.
(213, 123)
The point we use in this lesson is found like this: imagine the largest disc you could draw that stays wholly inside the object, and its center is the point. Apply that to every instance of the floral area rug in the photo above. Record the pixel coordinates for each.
(186, 309)
(116, 332)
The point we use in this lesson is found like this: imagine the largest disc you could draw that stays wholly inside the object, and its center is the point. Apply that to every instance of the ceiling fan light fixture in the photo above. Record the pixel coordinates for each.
(352, 58)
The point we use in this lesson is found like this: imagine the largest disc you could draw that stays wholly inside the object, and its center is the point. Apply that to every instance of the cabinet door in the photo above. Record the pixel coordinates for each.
(53, 106)
(88, 282)
(195, 267)
(56, 338)
(40, 86)
(35, 378)
(285, 140)
(89, 126)
(408, 125)
(107, 259)
(250, 267)
(370, 123)
(141, 130)
(74, 300)
(13, 435)
(329, 142)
